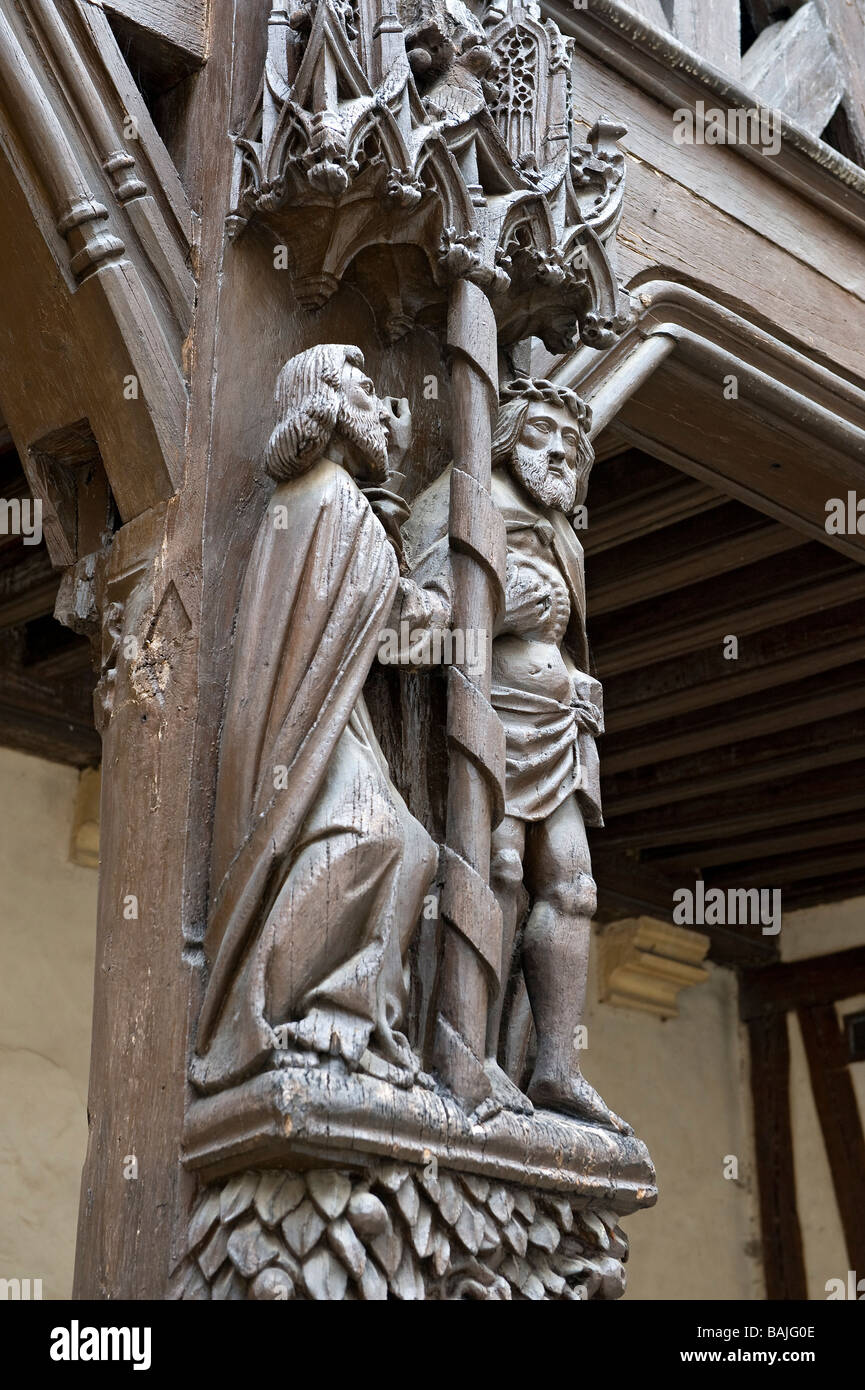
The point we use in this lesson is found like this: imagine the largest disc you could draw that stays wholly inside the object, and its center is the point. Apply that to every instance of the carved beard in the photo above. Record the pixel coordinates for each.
(367, 437)
(532, 469)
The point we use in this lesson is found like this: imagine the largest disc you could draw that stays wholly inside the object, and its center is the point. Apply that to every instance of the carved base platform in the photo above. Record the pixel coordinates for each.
(330, 1185)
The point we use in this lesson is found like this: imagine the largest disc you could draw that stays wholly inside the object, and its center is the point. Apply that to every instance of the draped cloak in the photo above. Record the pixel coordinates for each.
(316, 858)
(550, 732)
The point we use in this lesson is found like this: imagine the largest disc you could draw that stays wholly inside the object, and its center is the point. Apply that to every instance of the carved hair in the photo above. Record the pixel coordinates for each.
(308, 396)
(516, 398)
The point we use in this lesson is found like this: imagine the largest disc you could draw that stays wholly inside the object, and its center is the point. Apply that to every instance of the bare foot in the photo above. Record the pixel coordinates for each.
(505, 1093)
(574, 1096)
(336, 1034)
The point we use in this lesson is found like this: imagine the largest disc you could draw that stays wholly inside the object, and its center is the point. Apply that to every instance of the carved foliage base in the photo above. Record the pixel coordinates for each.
(395, 1231)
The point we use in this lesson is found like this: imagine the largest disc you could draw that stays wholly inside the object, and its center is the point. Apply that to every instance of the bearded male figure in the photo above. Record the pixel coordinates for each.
(551, 710)
(319, 870)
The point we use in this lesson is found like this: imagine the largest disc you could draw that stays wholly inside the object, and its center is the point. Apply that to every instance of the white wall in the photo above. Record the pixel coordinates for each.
(682, 1084)
(47, 936)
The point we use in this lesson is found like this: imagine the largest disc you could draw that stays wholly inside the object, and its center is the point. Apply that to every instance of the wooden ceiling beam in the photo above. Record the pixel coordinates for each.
(793, 868)
(829, 792)
(634, 495)
(791, 651)
(754, 598)
(50, 735)
(756, 716)
(28, 586)
(818, 893)
(726, 539)
(755, 762)
(686, 858)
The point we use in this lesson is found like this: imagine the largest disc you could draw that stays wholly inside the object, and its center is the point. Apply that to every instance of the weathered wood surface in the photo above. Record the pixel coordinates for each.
(712, 30)
(845, 24)
(182, 23)
(652, 10)
(792, 66)
(191, 497)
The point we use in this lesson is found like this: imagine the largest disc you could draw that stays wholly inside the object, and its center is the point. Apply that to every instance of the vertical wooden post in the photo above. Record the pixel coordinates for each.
(840, 1121)
(783, 1258)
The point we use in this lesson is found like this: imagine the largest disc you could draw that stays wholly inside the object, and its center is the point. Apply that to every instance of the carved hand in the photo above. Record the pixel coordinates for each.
(527, 598)
(399, 430)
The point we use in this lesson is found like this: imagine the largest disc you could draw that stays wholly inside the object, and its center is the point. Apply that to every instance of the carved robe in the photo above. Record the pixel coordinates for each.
(550, 706)
(319, 869)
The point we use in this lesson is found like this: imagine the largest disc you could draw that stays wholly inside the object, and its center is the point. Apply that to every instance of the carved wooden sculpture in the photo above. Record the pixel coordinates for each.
(551, 711)
(319, 869)
(423, 157)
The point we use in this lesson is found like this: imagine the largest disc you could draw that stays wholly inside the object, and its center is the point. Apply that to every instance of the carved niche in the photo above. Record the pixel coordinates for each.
(424, 152)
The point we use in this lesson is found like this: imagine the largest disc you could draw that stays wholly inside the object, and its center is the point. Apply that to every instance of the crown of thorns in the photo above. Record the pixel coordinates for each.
(532, 389)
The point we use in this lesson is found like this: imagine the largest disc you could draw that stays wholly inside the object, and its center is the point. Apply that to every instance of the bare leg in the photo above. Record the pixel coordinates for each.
(506, 881)
(556, 959)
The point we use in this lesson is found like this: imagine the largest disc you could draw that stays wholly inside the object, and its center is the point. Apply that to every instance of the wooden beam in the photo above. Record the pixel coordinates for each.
(840, 1121)
(711, 29)
(755, 716)
(785, 869)
(757, 761)
(728, 538)
(788, 652)
(818, 980)
(810, 835)
(28, 587)
(792, 67)
(837, 890)
(180, 23)
(783, 1257)
(50, 735)
(844, 21)
(757, 597)
(650, 509)
(828, 793)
